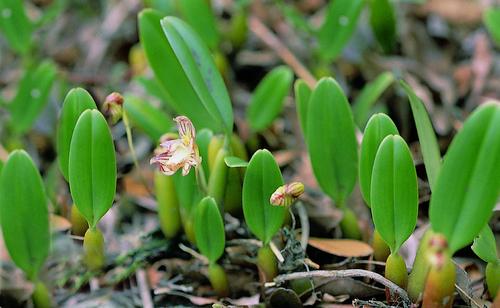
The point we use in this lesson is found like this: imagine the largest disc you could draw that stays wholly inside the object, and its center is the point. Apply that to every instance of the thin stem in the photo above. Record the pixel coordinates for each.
(343, 274)
(130, 142)
(200, 179)
(263, 33)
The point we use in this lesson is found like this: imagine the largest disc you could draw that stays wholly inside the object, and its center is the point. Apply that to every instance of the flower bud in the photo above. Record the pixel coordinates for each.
(113, 106)
(285, 195)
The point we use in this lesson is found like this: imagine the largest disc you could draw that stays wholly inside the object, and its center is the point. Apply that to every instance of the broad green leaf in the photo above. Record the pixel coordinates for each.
(1, 165)
(167, 7)
(302, 95)
(491, 19)
(199, 15)
(468, 184)
(203, 138)
(235, 162)
(92, 166)
(268, 98)
(209, 229)
(186, 70)
(32, 95)
(394, 192)
(331, 140)
(426, 136)
(485, 246)
(369, 96)
(383, 23)
(153, 87)
(149, 119)
(24, 215)
(262, 178)
(379, 126)
(199, 67)
(15, 25)
(340, 22)
(76, 102)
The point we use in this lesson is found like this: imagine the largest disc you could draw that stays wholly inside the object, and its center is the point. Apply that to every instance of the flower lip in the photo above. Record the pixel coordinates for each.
(181, 153)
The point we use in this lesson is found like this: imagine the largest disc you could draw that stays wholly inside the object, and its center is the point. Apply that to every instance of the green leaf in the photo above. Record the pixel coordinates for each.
(198, 14)
(92, 166)
(199, 67)
(468, 184)
(491, 19)
(24, 214)
(76, 102)
(331, 140)
(32, 95)
(149, 119)
(203, 138)
(383, 23)
(369, 96)
(185, 68)
(235, 162)
(428, 142)
(340, 22)
(153, 87)
(485, 246)
(15, 25)
(262, 178)
(209, 229)
(379, 126)
(394, 192)
(302, 95)
(268, 98)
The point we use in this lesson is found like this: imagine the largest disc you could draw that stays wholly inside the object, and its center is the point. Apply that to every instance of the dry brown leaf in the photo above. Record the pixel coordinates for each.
(59, 223)
(342, 247)
(134, 187)
(454, 11)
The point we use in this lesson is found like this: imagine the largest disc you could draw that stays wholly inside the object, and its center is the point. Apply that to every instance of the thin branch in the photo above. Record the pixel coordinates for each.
(343, 274)
(304, 224)
(263, 33)
(142, 282)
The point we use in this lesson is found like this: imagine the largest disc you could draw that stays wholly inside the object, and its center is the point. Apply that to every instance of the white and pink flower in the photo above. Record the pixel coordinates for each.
(174, 154)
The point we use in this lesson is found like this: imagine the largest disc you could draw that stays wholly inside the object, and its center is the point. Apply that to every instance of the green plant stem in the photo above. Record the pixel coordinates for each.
(41, 296)
(440, 281)
(493, 278)
(218, 279)
(168, 204)
(93, 246)
(130, 142)
(418, 275)
(79, 224)
(201, 180)
(267, 263)
(349, 225)
(218, 179)
(380, 249)
(395, 270)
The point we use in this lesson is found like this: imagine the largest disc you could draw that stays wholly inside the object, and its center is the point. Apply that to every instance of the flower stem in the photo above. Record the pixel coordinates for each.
(201, 180)
(130, 142)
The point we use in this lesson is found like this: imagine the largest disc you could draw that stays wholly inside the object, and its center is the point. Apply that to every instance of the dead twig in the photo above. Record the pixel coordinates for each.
(343, 274)
(147, 301)
(264, 34)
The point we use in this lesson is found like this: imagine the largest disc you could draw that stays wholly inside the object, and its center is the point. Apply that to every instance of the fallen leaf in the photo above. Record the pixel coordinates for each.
(342, 247)
(59, 223)
(454, 11)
